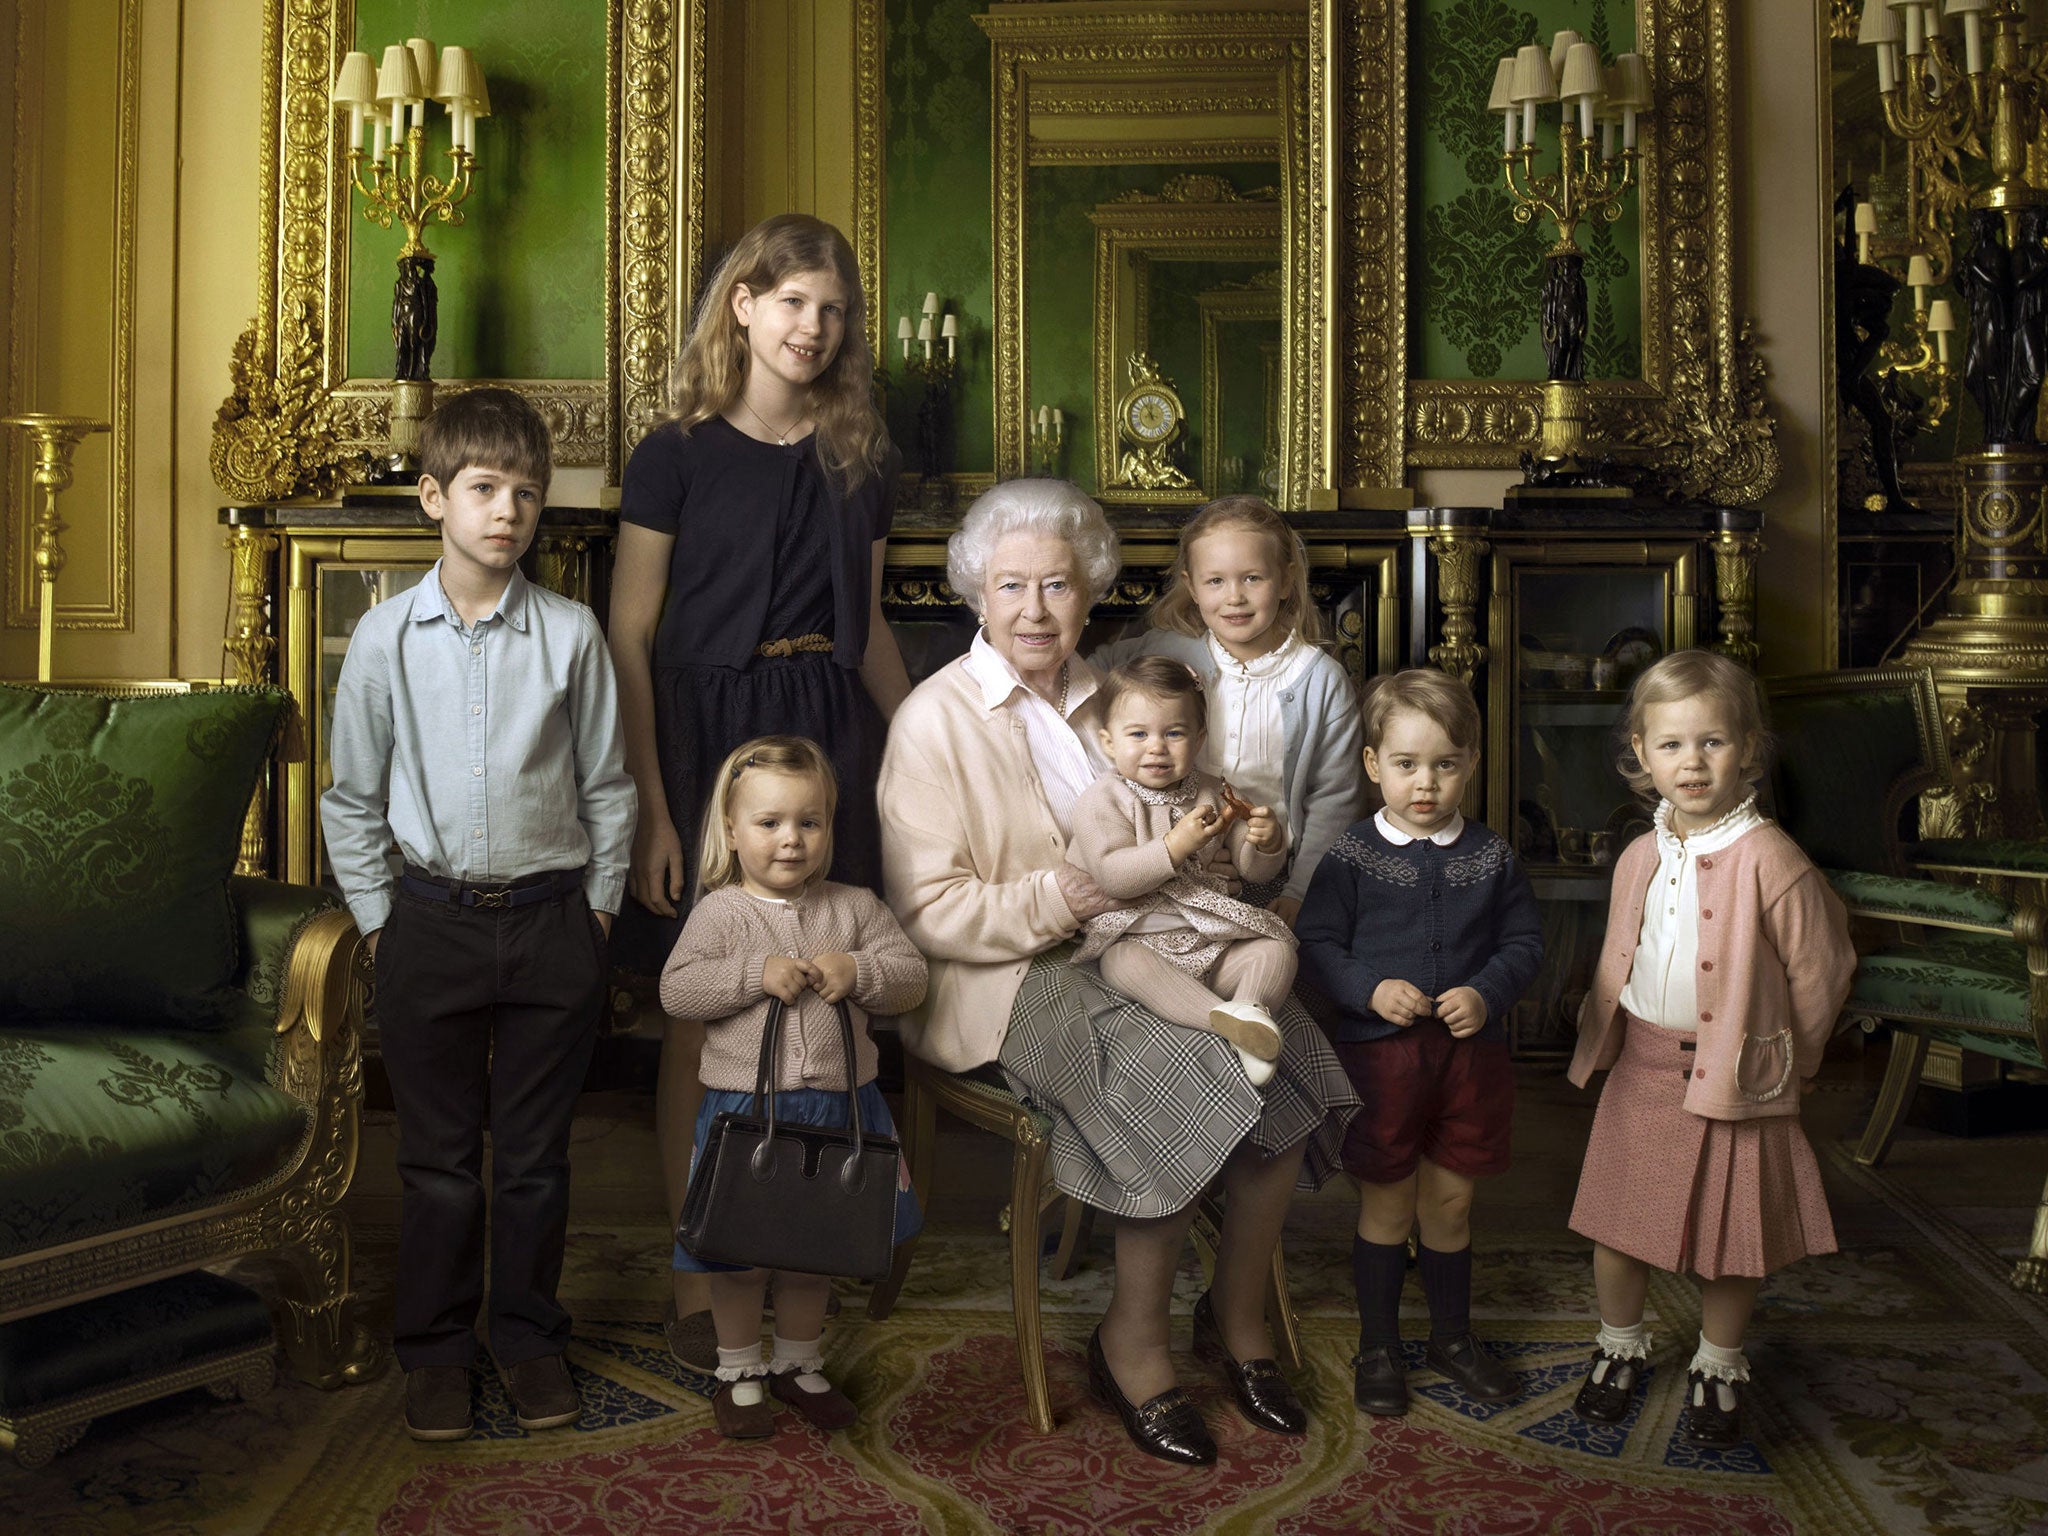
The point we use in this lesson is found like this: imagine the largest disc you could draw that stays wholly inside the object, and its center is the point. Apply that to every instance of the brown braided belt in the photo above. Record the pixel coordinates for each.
(791, 647)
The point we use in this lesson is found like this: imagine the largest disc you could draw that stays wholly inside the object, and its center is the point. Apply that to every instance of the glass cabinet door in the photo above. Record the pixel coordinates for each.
(1572, 629)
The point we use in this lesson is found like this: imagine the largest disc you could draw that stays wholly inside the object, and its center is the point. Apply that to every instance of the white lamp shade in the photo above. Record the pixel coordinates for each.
(1581, 73)
(456, 78)
(1634, 76)
(398, 78)
(1503, 85)
(423, 61)
(1560, 48)
(1965, 7)
(482, 105)
(355, 83)
(1533, 79)
(1941, 316)
(949, 325)
(1866, 219)
(1880, 24)
(1918, 273)
(903, 330)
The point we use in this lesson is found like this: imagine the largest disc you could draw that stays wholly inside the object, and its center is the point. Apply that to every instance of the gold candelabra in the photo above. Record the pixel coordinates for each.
(397, 185)
(55, 438)
(935, 412)
(1591, 179)
(1047, 432)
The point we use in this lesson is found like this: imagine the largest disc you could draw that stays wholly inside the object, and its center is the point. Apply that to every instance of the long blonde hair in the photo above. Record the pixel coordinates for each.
(717, 864)
(1176, 610)
(711, 371)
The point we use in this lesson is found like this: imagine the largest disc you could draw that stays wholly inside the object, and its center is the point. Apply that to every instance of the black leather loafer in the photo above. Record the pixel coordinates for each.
(1607, 1401)
(1378, 1383)
(1703, 1421)
(1263, 1394)
(1466, 1362)
(1166, 1426)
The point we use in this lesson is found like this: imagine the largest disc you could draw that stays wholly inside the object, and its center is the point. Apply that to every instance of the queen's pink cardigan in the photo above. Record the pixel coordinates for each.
(1774, 951)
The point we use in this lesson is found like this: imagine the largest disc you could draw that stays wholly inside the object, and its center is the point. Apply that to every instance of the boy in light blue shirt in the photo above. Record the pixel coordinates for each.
(479, 825)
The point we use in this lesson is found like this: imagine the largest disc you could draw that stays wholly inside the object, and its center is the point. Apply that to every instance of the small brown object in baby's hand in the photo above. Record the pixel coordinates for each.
(1235, 806)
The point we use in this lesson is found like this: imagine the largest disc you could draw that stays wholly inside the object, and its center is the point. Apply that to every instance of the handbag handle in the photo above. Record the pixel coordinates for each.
(852, 1175)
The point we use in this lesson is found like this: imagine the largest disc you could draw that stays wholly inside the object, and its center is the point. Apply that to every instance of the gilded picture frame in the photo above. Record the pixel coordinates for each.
(1257, 305)
(1227, 84)
(654, 200)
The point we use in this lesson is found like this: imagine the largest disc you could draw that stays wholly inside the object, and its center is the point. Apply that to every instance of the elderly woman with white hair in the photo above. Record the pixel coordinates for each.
(984, 763)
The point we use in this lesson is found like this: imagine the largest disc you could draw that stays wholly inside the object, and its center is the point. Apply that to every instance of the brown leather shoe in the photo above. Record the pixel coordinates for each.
(829, 1410)
(692, 1339)
(754, 1421)
(543, 1396)
(437, 1402)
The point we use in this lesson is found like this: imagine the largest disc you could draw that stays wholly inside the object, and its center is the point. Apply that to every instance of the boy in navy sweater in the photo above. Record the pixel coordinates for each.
(1418, 934)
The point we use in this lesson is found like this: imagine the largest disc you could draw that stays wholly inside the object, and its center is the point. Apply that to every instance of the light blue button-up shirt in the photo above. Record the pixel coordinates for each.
(484, 752)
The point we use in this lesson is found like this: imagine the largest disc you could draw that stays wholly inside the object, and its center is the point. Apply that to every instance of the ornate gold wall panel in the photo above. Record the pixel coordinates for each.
(1359, 136)
(869, 35)
(1700, 394)
(1095, 62)
(30, 291)
(654, 177)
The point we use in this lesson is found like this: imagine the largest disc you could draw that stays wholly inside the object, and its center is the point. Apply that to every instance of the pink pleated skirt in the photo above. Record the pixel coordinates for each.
(1689, 1194)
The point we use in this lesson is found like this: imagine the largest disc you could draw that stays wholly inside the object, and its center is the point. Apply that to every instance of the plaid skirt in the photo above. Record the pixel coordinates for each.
(1145, 1112)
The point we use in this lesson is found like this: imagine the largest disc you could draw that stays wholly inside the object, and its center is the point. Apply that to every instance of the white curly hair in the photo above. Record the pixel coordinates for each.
(1054, 507)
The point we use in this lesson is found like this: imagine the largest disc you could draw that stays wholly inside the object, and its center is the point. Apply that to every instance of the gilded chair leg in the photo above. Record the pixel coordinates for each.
(1901, 1077)
(2031, 1272)
(1073, 1233)
(1027, 1171)
(317, 1326)
(1280, 1312)
(920, 1145)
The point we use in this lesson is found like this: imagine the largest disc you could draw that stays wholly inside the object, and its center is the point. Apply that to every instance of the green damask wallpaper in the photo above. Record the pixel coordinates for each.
(937, 209)
(1059, 296)
(522, 280)
(1473, 271)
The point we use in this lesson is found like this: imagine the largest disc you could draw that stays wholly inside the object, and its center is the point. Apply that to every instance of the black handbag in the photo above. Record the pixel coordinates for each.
(811, 1198)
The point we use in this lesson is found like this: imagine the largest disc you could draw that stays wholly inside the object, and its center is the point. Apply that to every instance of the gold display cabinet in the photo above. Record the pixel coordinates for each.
(304, 576)
(1549, 615)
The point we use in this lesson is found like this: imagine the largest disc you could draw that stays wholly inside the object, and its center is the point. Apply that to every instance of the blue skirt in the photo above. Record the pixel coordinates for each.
(807, 1106)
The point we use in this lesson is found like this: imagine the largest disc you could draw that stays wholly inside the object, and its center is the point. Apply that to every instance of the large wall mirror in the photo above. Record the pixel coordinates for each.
(1151, 221)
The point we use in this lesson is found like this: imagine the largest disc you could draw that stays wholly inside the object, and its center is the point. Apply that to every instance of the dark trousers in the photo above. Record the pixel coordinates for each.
(479, 1008)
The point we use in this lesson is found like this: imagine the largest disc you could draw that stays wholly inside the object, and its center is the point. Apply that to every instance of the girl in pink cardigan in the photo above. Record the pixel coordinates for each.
(1726, 961)
(767, 925)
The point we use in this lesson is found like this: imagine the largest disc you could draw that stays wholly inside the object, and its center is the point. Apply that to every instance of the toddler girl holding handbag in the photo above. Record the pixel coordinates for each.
(769, 936)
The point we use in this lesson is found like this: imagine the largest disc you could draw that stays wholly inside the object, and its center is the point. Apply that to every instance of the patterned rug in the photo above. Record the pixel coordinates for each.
(1900, 1387)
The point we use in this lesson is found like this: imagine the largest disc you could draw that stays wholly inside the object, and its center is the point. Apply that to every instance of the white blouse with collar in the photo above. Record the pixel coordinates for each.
(1660, 987)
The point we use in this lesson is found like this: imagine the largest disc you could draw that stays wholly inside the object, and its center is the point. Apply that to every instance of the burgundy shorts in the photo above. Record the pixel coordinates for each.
(1428, 1094)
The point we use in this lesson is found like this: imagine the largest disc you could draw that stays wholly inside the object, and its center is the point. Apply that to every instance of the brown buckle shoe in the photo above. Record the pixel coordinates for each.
(543, 1396)
(751, 1421)
(437, 1402)
(829, 1410)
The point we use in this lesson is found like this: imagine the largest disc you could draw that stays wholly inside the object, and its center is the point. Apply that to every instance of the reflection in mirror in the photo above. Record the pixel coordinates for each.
(1175, 169)
(1186, 285)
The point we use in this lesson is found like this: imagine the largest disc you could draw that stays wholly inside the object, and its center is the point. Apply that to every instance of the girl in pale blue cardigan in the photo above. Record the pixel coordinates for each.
(1284, 726)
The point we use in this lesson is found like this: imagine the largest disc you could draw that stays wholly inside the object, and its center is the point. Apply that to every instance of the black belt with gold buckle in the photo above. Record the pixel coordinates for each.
(491, 897)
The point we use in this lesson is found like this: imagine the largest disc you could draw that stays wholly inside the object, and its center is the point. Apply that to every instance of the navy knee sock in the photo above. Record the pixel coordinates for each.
(1377, 1271)
(1447, 1285)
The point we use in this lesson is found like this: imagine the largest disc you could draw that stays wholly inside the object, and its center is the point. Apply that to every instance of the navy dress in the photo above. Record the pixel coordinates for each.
(766, 549)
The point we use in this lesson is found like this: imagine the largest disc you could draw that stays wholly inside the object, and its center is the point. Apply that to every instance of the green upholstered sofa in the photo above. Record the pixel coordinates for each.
(1960, 961)
(179, 1077)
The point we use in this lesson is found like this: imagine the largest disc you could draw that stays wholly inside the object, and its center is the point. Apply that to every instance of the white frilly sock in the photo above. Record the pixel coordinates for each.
(1723, 1367)
(744, 1368)
(1629, 1343)
(803, 1357)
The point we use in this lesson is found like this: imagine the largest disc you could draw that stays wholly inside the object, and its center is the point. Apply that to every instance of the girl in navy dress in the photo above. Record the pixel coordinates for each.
(746, 601)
